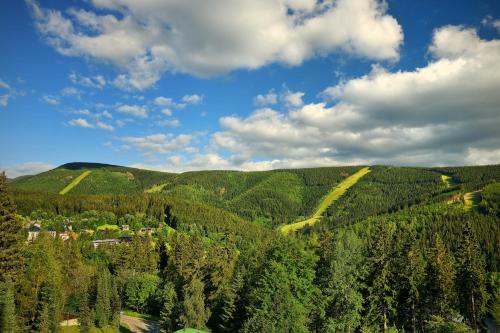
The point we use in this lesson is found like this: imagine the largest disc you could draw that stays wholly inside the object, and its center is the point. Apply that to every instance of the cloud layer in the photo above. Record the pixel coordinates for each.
(204, 38)
(444, 113)
(29, 168)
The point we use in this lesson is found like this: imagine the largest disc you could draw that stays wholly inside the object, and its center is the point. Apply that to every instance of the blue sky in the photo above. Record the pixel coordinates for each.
(248, 84)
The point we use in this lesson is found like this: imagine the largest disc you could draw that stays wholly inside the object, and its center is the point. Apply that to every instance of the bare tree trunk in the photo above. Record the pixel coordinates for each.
(474, 319)
(385, 320)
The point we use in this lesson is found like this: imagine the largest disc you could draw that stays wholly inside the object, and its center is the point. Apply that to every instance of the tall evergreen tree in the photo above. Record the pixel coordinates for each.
(230, 318)
(7, 307)
(341, 281)
(115, 303)
(85, 319)
(102, 306)
(274, 308)
(11, 240)
(471, 278)
(168, 300)
(48, 315)
(283, 295)
(194, 314)
(410, 274)
(441, 293)
(381, 293)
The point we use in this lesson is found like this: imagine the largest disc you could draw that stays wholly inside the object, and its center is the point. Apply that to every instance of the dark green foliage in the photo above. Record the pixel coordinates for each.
(186, 213)
(103, 179)
(471, 278)
(194, 314)
(168, 300)
(494, 286)
(341, 272)
(441, 325)
(8, 320)
(396, 256)
(490, 203)
(115, 304)
(85, 317)
(384, 190)
(381, 294)
(103, 301)
(103, 182)
(139, 290)
(51, 181)
(281, 300)
(441, 293)
(472, 178)
(410, 278)
(231, 300)
(11, 241)
(278, 196)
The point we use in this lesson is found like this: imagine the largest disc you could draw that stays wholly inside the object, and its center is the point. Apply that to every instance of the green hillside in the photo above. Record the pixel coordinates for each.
(98, 179)
(202, 250)
(327, 201)
(270, 197)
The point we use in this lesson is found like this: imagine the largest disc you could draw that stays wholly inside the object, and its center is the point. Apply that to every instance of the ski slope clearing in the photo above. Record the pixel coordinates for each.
(75, 182)
(472, 199)
(447, 180)
(329, 199)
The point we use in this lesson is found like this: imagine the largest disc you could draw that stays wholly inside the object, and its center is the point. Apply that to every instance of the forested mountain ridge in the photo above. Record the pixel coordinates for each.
(102, 179)
(399, 251)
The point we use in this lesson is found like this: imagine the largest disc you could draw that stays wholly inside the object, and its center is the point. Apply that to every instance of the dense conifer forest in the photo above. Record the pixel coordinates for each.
(402, 250)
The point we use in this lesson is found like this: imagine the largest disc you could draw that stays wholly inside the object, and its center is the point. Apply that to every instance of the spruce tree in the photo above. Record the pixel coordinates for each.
(11, 240)
(471, 278)
(441, 293)
(102, 306)
(341, 281)
(381, 292)
(85, 319)
(7, 308)
(115, 304)
(230, 317)
(410, 272)
(168, 300)
(194, 315)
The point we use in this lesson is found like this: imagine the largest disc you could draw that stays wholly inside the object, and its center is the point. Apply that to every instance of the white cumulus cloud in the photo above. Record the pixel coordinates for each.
(158, 143)
(144, 39)
(80, 122)
(443, 113)
(104, 126)
(133, 110)
(28, 168)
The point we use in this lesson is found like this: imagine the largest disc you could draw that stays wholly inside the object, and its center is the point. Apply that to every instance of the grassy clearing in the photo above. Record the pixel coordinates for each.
(447, 180)
(140, 315)
(155, 188)
(108, 227)
(472, 199)
(75, 182)
(330, 198)
(51, 181)
(76, 329)
(107, 182)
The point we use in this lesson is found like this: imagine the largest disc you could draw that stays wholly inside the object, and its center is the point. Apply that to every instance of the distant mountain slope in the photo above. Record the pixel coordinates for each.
(269, 197)
(390, 189)
(272, 197)
(103, 179)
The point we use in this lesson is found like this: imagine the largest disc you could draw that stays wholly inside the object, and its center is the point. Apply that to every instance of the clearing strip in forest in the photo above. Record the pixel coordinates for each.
(447, 180)
(472, 199)
(75, 182)
(329, 199)
(155, 188)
